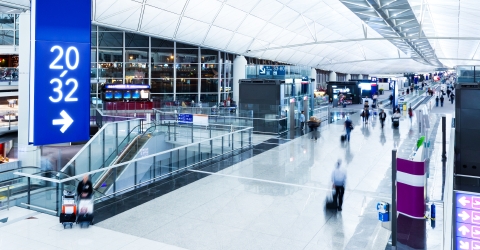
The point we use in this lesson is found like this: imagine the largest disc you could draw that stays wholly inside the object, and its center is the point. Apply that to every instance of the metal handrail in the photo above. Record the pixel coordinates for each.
(128, 162)
(107, 173)
(90, 142)
(235, 117)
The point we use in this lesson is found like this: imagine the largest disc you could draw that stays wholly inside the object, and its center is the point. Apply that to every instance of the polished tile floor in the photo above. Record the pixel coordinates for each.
(273, 200)
(26, 229)
(276, 199)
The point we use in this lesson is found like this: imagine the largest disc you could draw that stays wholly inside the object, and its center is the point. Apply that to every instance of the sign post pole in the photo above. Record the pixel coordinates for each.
(394, 199)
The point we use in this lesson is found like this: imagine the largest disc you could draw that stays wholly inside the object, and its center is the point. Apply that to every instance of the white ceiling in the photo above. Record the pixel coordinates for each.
(319, 33)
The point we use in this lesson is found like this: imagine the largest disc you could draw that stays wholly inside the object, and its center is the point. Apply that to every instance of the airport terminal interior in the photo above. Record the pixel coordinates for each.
(240, 124)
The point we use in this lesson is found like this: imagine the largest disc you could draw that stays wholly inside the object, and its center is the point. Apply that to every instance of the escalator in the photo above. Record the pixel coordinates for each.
(104, 181)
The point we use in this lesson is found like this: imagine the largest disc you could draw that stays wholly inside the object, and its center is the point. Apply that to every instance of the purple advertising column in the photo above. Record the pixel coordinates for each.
(411, 188)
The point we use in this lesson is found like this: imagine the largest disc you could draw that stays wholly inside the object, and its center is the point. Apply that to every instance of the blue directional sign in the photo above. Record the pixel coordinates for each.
(279, 70)
(61, 71)
(265, 70)
(467, 221)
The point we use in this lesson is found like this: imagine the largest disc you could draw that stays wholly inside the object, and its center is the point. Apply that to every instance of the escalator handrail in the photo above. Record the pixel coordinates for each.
(105, 174)
(117, 151)
(90, 142)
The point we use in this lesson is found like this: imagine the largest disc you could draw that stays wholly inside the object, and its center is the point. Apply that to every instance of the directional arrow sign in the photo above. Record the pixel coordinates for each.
(475, 202)
(464, 245)
(66, 121)
(464, 215)
(463, 200)
(262, 70)
(464, 230)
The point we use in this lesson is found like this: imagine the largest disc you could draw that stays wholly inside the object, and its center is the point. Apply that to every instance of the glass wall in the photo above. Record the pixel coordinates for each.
(9, 29)
(174, 71)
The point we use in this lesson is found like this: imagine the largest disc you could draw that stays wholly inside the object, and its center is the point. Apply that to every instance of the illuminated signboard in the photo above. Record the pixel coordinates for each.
(60, 77)
(467, 226)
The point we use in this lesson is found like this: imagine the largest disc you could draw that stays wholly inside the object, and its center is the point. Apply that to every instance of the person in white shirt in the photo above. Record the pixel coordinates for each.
(302, 120)
(339, 178)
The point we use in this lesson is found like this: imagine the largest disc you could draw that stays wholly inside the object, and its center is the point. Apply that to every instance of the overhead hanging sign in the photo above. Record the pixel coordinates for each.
(60, 71)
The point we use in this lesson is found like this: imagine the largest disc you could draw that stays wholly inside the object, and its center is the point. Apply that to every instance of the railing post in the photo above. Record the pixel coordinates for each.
(222, 144)
(116, 138)
(250, 137)
(241, 139)
(192, 133)
(175, 131)
(154, 167)
(135, 175)
(114, 180)
(28, 191)
(168, 131)
(8, 197)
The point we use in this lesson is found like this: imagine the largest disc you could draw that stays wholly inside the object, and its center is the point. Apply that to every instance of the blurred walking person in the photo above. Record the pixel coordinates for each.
(313, 124)
(382, 116)
(339, 178)
(348, 126)
(302, 120)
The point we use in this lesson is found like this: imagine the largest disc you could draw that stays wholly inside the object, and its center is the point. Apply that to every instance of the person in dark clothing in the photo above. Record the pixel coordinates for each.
(452, 97)
(391, 99)
(436, 101)
(339, 178)
(348, 126)
(441, 100)
(382, 116)
(313, 123)
(448, 93)
(85, 188)
(410, 114)
(408, 91)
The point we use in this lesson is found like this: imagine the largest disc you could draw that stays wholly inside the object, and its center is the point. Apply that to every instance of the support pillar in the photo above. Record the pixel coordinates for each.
(239, 69)
(27, 154)
(333, 76)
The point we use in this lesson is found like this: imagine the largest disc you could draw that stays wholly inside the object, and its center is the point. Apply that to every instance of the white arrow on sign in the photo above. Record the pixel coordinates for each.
(262, 70)
(66, 121)
(464, 215)
(463, 201)
(464, 245)
(464, 230)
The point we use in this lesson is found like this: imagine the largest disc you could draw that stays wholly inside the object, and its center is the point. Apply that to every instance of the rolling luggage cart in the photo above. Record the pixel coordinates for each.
(69, 209)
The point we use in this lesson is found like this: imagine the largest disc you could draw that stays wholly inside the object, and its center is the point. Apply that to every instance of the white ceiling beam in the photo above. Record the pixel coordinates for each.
(180, 19)
(368, 39)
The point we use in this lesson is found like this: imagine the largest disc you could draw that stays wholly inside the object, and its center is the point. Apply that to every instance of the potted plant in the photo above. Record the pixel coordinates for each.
(380, 91)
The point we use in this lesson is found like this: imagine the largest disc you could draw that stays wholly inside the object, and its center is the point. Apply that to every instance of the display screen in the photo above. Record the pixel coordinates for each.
(108, 95)
(136, 95)
(144, 94)
(117, 95)
(127, 95)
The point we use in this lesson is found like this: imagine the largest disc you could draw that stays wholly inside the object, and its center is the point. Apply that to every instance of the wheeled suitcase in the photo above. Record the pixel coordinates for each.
(343, 138)
(396, 122)
(68, 216)
(85, 212)
(330, 203)
(374, 106)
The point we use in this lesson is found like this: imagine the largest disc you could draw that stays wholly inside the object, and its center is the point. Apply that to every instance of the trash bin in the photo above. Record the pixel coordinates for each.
(383, 211)
(405, 106)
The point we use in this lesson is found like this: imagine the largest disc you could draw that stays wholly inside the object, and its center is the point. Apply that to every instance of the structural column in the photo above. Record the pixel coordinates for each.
(333, 76)
(239, 68)
(27, 154)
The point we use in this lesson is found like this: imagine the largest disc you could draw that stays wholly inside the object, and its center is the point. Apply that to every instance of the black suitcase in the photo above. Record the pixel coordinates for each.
(343, 138)
(374, 106)
(330, 203)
